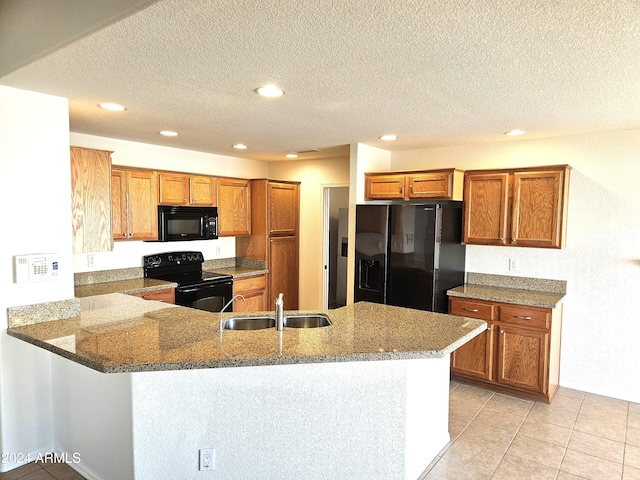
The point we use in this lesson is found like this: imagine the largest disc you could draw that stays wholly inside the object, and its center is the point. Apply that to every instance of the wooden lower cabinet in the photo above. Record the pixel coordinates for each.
(166, 295)
(519, 353)
(283, 252)
(254, 291)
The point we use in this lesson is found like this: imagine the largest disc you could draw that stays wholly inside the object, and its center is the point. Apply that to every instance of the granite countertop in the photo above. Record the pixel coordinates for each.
(238, 271)
(516, 296)
(121, 333)
(135, 285)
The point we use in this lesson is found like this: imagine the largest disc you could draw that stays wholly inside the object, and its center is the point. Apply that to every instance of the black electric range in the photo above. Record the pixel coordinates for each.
(196, 289)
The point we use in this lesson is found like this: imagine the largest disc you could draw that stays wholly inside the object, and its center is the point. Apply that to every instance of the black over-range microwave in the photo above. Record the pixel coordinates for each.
(187, 223)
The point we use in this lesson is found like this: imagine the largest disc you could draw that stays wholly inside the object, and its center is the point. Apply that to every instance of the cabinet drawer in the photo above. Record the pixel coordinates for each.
(530, 317)
(247, 284)
(166, 295)
(471, 308)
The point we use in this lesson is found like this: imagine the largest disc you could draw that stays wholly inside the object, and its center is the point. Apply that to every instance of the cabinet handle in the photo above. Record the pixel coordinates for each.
(488, 328)
(501, 331)
(501, 239)
(184, 200)
(125, 235)
(131, 234)
(400, 187)
(411, 187)
(474, 310)
(513, 240)
(522, 318)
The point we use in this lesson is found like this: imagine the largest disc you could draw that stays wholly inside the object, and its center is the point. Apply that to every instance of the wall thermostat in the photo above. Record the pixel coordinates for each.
(35, 268)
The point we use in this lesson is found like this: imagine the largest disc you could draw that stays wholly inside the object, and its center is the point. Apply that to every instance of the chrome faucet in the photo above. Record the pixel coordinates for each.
(279, 313)
(225, 307)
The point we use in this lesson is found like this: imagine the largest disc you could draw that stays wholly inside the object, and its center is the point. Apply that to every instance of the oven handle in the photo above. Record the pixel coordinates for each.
(188, 290)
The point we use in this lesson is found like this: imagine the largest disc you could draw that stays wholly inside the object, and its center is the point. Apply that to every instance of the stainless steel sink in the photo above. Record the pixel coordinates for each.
(313, 320)
(249, 323)
(306, 321)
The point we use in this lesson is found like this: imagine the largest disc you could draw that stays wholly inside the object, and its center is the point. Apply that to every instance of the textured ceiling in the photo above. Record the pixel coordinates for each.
(433, 72)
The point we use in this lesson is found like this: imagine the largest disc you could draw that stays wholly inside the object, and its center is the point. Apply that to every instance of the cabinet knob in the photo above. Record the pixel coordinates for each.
(131, 234)
(125, 235)
(501, 239)
(411, 187)
(513, 240)
(501, 331)
(400, 187)
(184, 200)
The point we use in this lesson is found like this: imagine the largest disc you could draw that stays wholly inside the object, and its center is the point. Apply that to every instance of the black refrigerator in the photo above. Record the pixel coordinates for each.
(409, 255)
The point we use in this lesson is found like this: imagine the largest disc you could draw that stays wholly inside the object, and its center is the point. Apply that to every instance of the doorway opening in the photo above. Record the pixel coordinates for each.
(336, 221)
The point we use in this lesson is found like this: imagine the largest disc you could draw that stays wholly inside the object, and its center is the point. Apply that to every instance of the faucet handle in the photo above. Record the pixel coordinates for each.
(279, 300)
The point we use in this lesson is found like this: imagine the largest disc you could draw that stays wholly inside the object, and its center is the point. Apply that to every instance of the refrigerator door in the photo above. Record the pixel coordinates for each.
(371, 253)
(414, 253)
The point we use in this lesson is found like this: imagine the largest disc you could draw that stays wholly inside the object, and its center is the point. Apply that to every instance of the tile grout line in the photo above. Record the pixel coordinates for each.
(512, 440)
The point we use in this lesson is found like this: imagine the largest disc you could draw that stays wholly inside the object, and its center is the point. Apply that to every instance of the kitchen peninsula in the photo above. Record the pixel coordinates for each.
(366, 397)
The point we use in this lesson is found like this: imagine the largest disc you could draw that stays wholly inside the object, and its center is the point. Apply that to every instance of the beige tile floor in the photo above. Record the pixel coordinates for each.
(498, 437)
(578, 436)
(42, 471)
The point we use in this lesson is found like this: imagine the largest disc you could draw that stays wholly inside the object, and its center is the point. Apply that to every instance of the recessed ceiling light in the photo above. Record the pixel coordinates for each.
(168, 133)
(388, 138)
(291, 155)
(112, 106)
(269, 91)
(240, 146)
(515, 133)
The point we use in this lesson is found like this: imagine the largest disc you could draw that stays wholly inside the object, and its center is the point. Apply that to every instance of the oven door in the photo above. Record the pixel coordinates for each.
(208, 296)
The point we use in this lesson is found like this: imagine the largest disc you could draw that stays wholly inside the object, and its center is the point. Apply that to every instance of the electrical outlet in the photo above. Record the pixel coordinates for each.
(217, 251)
(514, 264)
(91, 260)
(207, 458)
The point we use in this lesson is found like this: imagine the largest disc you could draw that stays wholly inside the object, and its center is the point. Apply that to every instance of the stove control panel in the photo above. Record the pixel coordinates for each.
(170, 259)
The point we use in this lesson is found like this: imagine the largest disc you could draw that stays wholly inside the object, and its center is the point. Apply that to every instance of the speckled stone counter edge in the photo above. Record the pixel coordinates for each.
(520, 283)
(105, 276)
(43, 312)
(534, 292)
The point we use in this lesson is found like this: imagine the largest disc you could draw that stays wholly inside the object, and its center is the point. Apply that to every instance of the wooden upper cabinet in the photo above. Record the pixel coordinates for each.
(522, 208)
(284, 201)
(91, 200)
(384, 186)
(434, 184)
(176, 189)
(203, 190)
(135, 198)
(538, 208)
(234, 207)
(486, 198)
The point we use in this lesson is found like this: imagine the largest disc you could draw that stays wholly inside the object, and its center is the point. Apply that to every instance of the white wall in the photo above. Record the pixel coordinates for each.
(601, 261)
(35, 192)
(314, 175)
(134, 154)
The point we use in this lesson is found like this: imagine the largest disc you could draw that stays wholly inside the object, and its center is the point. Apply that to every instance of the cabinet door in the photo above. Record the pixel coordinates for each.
(234, 214)
(203, 191)
(537, 209)
(522, 358)
(485, 208)
(431, 185)
(284, 200)
(142, 205)
(174, 189)
(91, 200)
(119, 204)
(254, 291)
(384, 187)
(283, 270)
(476, 357)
